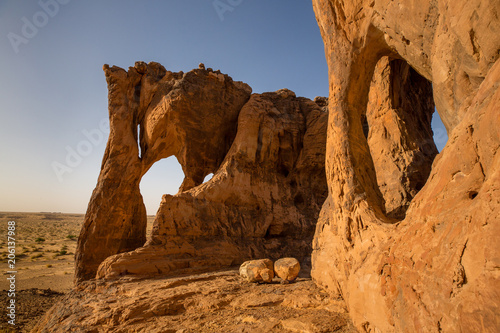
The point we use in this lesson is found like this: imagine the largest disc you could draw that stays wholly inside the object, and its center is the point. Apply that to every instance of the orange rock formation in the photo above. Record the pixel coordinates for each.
(407, 237)
(267, 155)
(408, 258)
(154, 114)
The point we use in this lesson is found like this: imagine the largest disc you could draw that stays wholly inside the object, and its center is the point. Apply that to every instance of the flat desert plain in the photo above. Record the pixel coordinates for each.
(44, 262)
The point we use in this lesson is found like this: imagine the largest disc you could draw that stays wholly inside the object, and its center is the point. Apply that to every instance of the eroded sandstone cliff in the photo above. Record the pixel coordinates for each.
(267, 154)
(407, 238)
(263, 201)
(154, 114)
(436, 267)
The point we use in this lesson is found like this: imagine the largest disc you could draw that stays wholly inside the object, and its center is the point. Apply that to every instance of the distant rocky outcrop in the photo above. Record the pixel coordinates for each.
(411, 253)
(267, 154)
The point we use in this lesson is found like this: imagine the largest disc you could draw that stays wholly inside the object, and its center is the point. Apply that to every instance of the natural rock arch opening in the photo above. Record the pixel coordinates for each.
(397, 126)
(164, 177)
(266, 151)
(137, 138)
(208, 177)
(264, 202)
(410, 276)
(440, 135)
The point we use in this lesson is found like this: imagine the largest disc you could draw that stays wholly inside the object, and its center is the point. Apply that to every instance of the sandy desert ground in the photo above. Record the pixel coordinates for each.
(45, 249)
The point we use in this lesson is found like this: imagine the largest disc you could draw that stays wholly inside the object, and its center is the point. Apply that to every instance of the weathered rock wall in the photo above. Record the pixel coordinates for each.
(437, 268)
(263, 201)
(267, 154)
(399, 136)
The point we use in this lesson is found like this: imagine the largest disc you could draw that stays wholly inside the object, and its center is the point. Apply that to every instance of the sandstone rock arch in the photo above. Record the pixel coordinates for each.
(435, 269)
(266, 152)
(168, 108)
(399, 136)
(425, 260)
(263, 200)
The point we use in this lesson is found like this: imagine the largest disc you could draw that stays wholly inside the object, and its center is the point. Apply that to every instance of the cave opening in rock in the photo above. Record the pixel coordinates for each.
(164, 177)
(399, 115)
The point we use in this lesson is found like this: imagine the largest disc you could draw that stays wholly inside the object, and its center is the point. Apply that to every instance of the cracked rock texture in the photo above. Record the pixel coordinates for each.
(405, 254)
(267, 154)
(209, 302)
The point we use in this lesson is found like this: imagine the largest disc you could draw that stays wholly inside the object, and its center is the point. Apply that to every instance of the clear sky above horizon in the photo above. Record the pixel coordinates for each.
(53, 94)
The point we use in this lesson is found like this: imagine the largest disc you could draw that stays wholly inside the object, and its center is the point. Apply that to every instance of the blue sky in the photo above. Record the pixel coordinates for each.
(53, 90)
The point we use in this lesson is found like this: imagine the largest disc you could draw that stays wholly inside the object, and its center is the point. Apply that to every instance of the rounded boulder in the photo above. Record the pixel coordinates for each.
(287, 269)
(257, 270)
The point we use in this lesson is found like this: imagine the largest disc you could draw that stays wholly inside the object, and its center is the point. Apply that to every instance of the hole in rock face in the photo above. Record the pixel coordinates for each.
(283, 170)
(164, 177)
(298, 200)
(472, 194)
(366, 126)
(139, 139)
(400, 136)
(440, 135)
(208, 177)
